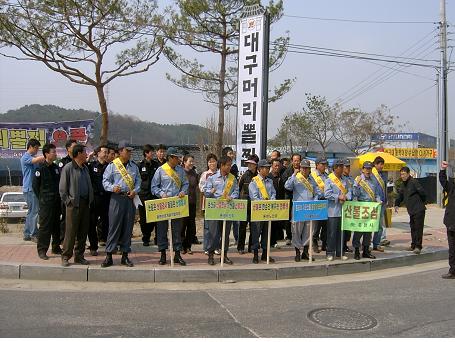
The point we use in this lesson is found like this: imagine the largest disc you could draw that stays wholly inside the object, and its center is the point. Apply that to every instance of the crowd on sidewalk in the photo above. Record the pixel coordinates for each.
(96, 196)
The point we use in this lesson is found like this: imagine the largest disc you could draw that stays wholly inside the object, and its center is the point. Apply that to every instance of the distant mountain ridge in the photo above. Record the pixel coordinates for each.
(121, 127)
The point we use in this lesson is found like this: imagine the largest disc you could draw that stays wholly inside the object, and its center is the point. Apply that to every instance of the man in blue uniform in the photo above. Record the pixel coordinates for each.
(261, 188)
(170, 180)
(122, 179)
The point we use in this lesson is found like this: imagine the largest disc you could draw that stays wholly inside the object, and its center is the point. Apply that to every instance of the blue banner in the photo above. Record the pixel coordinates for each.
(309, 210)
(14, 136)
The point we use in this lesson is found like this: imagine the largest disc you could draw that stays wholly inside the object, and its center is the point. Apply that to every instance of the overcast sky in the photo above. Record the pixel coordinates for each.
(366, 85)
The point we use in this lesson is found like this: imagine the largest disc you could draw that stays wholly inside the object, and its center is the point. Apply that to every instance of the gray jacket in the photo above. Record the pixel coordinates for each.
(69, 184)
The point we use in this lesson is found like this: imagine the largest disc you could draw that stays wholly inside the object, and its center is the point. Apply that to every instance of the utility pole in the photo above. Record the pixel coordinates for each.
(442, 118)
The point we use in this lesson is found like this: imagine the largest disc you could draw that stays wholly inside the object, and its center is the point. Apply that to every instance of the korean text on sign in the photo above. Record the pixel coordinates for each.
(166, 209)
(249, 112)
(220, 209)
(361, 216)
(271, 210)
(309, 210)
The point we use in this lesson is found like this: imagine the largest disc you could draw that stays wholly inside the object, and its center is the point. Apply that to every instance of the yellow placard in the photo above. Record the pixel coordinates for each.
(270, 210)
(414, 153)
(166, 209)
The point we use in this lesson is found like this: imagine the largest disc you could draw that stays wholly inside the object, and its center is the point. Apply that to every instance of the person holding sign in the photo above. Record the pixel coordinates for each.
(261, 188)
(319, 176)
(365, 190)
(350, 183)
(381, 179)
(123, 180)
(303, 189)
(220, 185)
(169, 181)
(337, 191)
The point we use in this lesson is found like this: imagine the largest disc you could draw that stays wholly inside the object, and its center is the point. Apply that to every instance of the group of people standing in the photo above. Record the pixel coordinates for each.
(96, 196)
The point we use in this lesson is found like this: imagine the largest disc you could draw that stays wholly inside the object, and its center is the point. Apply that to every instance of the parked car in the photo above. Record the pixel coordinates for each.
(13, 205)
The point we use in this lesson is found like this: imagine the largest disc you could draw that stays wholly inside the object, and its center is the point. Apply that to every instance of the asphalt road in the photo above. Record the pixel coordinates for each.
(416, 303)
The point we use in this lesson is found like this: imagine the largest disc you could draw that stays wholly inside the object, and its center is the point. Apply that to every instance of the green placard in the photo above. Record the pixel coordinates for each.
(218, 209)
(361, 216)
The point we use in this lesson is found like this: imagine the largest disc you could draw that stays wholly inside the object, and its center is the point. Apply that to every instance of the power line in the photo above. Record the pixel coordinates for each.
(359, 21)
(413, 96)
(418, 45)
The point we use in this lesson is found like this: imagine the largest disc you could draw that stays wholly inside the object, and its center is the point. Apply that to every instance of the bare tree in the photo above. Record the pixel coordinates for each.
(355, 128)
(75, 37)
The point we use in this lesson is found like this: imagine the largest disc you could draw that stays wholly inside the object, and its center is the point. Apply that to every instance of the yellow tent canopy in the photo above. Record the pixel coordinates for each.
(391, 163)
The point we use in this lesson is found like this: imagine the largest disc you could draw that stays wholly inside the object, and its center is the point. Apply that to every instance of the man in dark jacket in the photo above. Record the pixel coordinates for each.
(147, 169)
(77, 193)
(449, 217)
(45, 185)
(413, 196)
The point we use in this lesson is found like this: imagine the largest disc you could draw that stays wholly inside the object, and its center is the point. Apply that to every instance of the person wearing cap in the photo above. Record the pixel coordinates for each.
(380, 177)
(76, 192)
(244, 183)
(170, 180)
(220, 185)
(350, 183)
(414, 197)
(365, 190)
(319, 176)
(290, 170)
(303, 189)
(147, 169)
(261, 188)
(123, 180)
(336, 192)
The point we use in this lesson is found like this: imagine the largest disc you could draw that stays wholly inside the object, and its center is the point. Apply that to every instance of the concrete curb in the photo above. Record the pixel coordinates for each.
(213, 275)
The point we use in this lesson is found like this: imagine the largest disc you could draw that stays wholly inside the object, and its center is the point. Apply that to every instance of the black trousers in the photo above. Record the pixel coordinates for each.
(99, 221)
(62, 222)
(416, 223)
(77, 223)
(277, 232)
(451, 241)
(242, 230)
(366, 239)
(146, 228)
(189, 227)
(346, 237)
(334, 236)
(49, 225)
(320, 231)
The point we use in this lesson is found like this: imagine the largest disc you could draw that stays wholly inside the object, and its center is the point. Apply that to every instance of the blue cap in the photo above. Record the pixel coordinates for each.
(264, 163)
(172, 151)
(124, 144)
(305, 163)
(321, 160)
(367, 165)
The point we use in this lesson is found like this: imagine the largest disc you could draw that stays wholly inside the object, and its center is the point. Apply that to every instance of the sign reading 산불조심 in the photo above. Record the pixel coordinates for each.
(166, 209)
(361, 216)
(309, 210)
(221, 209)
(270, 210)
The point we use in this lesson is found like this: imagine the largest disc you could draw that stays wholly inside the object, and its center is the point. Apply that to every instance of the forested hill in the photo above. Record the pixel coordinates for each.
(121, 127)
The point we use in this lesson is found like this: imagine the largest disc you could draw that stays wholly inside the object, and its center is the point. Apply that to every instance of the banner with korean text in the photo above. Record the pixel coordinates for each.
(14, 136)
(250, 88)
(361, 216)
(166, 209)
(221, 209)
(309, 211)
(270, 210)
